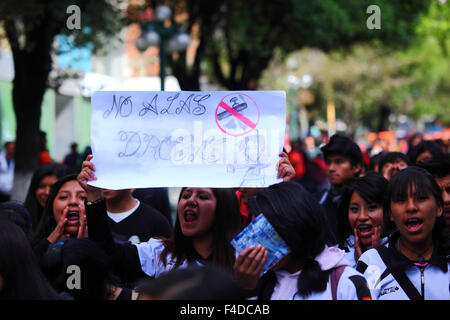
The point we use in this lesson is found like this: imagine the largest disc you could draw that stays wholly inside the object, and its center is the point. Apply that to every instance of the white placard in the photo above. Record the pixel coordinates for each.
(198, 139)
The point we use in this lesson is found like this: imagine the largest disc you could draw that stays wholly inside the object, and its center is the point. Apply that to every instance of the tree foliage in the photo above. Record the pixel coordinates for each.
(238, 38)
(368, 82)
(31, 27)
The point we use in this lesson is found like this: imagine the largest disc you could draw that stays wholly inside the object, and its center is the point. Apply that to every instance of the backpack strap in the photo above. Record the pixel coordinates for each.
(335, 275)
(400, 277)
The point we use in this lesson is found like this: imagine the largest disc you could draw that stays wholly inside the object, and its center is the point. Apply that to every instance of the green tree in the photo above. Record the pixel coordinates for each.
(369, 82)
(238, 38)
(31, 27)
(432, 74)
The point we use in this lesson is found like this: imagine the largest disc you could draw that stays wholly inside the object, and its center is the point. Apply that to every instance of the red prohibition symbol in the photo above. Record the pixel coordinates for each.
(237, 114)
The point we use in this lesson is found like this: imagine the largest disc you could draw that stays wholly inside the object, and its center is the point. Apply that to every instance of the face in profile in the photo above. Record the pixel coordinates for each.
(43, 189)
(365, 217)
(340, 169)
(70, 196)
(196, 211)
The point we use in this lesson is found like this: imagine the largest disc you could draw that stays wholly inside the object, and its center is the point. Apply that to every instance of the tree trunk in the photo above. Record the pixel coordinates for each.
(32, 65)
(384, 113)
(27, 98)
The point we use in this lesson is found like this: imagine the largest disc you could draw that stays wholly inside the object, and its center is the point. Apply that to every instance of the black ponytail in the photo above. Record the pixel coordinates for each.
(312, 278)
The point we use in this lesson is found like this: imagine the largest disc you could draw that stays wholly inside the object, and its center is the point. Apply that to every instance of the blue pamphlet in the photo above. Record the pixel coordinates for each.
(260, 231)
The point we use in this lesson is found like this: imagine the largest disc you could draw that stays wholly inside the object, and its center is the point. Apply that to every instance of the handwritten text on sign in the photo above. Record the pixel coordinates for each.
(198, 139)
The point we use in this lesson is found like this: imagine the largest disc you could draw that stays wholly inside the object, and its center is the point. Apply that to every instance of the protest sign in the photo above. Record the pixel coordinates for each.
(199, 139)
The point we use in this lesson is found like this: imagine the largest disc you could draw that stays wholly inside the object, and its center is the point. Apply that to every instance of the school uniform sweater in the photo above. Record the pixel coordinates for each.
(428, 281)
(281, 285)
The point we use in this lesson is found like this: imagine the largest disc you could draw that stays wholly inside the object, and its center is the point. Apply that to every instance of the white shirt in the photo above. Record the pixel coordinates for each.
(330, 257)
(346, 289)
(286, 286)
(117, 217)
(149, 253)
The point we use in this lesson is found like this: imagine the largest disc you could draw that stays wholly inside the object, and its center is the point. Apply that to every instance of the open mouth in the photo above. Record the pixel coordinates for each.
(73, 216)
(365, 230)
(447, 211)
(190, 216)
(413, 225)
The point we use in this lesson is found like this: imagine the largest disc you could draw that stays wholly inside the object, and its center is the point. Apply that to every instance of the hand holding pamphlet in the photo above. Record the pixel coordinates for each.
(260, 231)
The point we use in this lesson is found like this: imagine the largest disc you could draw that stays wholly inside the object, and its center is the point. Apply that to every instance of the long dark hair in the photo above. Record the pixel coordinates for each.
(300, 220)
(45, 170)
(227, 224)
(19, 269)
(423, 183)
(96, 276)
(47, 222)
(371, 188)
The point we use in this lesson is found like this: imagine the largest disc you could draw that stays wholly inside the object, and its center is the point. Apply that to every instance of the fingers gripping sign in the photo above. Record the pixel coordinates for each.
(86, 175)
(285, 170)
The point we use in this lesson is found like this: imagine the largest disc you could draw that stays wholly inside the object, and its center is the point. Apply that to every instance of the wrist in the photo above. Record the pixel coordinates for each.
(52, 238)
(94, 201)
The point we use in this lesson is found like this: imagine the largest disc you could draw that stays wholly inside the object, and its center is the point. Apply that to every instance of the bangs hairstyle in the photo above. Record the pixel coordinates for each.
(417, 182)
(371, 188)
(226, 225)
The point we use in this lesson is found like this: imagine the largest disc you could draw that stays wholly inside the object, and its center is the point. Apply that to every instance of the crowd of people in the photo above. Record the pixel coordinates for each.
(358, 225)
